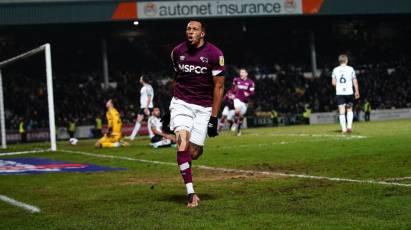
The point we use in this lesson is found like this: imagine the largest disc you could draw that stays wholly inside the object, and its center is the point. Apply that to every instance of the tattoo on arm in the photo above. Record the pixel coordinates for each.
(179, 140)
(182, 142)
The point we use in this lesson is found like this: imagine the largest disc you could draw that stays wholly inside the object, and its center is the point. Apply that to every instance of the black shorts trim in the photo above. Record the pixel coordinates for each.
(156, 138)
(141, 111)
(347, 100)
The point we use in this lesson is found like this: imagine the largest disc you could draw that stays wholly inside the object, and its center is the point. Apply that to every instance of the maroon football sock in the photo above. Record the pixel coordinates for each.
(237, 118)
(240, 123)
(222, 120)
(231, 123)
(184, 163)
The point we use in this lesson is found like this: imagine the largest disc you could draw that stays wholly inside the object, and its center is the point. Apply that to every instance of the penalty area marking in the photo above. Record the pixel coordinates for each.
(118, 157)
(276, 143)
(28, 207)
(23, 152)
(336, 137)
(266, 173)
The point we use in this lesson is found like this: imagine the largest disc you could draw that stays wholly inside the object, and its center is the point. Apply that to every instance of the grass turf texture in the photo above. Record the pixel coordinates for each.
(152, 196)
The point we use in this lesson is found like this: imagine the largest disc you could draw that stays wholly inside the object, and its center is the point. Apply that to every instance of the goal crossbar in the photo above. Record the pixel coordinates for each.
(50, 97)
(22, 56)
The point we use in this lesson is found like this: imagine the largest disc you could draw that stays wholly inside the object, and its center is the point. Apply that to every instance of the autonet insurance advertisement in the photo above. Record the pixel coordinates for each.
(184, 9)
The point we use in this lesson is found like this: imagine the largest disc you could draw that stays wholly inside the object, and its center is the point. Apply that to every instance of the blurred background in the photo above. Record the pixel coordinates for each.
(100, 48)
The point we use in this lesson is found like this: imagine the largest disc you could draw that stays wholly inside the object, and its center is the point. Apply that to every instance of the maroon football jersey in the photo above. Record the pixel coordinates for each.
(195, 69)
(242, 87)
(229, 98)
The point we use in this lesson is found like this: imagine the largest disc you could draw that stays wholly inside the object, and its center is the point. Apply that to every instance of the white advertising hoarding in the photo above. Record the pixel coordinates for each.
(223, 8)
(376, 115)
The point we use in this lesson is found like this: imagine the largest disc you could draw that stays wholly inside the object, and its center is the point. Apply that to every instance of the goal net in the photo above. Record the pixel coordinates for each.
(27, 120)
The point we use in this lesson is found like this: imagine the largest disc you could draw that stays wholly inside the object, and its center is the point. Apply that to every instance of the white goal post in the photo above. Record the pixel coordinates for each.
(50, 95)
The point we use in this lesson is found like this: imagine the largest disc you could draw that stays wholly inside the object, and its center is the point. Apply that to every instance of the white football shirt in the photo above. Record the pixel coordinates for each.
(154, 122)
(145, 92)
(344, 76)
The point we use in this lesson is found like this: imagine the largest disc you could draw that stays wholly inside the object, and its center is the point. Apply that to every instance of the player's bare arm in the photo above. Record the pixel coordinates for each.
(146, 110)
(218, 94)
(155, 131)
(356, 88)
(164, 135)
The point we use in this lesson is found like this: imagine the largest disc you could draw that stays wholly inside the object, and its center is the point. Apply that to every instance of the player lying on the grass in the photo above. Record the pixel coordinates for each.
(113, 136)
(198, 92)
(343, 79)
(244, 89)
(158, 138)
(228, 111)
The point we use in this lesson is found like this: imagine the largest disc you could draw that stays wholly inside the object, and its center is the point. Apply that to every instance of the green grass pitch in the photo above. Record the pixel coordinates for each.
(152, 196)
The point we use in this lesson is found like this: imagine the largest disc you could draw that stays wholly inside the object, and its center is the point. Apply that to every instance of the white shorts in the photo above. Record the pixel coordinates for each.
(240, 105)
(190, 117)
(229, 113)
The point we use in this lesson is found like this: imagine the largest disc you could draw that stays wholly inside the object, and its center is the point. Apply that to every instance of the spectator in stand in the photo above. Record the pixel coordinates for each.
(367, 110)
(98, 127)
(71, 127)
(22, 130)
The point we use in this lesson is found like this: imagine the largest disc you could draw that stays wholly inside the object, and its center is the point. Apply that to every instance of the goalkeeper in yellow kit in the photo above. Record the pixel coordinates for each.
(113, 136)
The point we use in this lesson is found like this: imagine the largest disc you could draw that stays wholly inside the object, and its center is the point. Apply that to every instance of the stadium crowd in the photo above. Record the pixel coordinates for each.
(283, 76)
(287, 89)
(78, 97)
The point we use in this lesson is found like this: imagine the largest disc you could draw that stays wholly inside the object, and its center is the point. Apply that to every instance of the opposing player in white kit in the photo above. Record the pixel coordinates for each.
(343, 79)
(158, 138)
(198, 92)
(146, 104)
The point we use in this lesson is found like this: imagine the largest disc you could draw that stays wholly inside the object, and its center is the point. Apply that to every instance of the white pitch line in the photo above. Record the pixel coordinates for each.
(245, 171)
(340, 136)
(23, 152)
(25, 206)
(277, 143)
(398, 179)
(336, 136)
(303, 176)
(118, 157)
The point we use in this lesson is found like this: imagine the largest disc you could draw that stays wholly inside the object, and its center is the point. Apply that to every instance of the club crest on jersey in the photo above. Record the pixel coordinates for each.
(182, 58)
(221, 60)
(204, 59)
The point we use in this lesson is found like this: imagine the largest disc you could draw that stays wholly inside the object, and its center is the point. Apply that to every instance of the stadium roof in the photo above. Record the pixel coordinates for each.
(23, 12)
(52, 1)
(61, 1)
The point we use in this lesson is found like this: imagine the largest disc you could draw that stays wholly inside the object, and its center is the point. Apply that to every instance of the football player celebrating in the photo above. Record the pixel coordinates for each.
(244, 89)
(198, 92)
